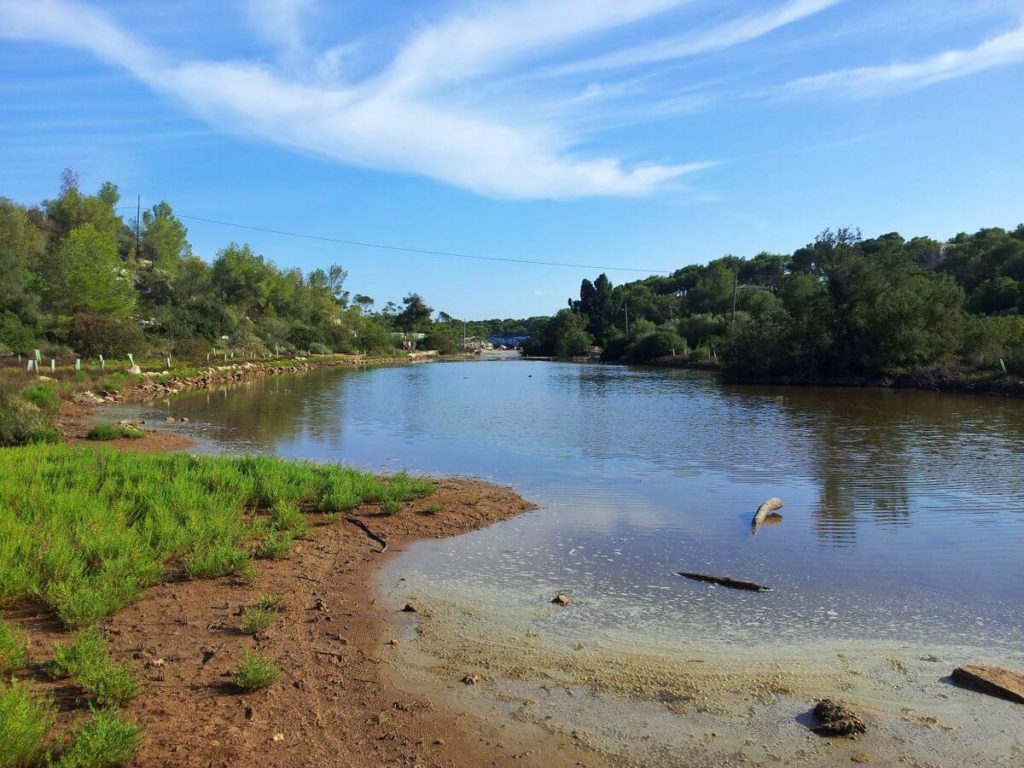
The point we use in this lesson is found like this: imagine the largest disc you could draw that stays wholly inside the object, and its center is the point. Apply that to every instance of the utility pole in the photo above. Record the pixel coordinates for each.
(625, 308)
(138, 215)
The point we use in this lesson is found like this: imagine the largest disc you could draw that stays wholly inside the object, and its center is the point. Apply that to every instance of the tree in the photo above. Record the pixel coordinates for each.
(84, 273)
(21, 245)
(415, 314)
(164, 239)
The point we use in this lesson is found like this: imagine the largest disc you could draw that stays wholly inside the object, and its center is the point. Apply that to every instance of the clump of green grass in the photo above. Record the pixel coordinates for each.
(87, 661)
(271, 603)
(25, 719)
(114, 383)
(218, 559)
(113, 432)
(277, 545)
(85, 531)
(433, 508)
(391, 507)
(286, 516)
(256, 620)
(106, 741)
(255, 672)
(43, 397)
(13, 649)
(22, 422)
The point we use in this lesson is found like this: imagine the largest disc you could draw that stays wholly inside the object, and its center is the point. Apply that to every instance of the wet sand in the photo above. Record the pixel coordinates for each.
(700, 703)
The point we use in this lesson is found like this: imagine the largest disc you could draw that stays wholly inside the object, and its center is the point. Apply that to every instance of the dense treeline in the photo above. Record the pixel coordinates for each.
(841, 307)
(75, 276)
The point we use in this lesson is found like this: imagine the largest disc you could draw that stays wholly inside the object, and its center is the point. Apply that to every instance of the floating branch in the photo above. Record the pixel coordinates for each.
(726, 581)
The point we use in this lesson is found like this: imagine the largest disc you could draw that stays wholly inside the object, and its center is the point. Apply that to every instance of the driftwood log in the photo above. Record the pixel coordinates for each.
(726, 581)
(763, 511)
(995, 681)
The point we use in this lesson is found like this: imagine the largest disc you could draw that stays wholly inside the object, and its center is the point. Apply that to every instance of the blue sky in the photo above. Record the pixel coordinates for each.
(645, 134)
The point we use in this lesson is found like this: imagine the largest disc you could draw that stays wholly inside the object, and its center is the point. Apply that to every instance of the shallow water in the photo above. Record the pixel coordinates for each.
(903, 517)
(900, 553)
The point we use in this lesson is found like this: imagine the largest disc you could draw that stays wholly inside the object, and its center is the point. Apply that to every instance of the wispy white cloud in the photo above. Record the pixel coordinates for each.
(716, 38)
(1007, 48)
(281, 22)
(408, 117)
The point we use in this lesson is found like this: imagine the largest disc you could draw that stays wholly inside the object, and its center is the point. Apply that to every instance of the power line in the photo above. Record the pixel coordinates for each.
(421, 251)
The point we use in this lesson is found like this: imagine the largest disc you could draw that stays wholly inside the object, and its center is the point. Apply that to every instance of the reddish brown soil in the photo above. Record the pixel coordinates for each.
(334, 704)
(75, 419)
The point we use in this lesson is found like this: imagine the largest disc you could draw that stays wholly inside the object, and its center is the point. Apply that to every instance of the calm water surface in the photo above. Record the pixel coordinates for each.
(903, 518)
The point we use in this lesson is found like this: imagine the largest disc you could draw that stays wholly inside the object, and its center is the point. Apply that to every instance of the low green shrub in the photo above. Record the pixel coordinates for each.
(43, 397)
(255, 672)
(114, 432)
(219, 559)
(25, 719)
(106, 741)
(277, 545)
(433, 508)
(391, 507)
(256, 620)
(87, 661)
(22, 422)
(13, 649)
(271, 603)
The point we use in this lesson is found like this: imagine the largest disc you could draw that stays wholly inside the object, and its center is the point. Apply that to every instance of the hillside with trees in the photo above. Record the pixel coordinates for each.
(78, 278)
(838, 309)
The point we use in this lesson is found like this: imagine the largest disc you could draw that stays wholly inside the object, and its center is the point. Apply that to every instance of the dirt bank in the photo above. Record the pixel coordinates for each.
(334, 704)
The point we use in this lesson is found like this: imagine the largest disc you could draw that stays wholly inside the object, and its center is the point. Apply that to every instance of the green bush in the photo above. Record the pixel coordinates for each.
(25, 719)
(391, 507)
(433, 508)
(276, 546)
(114, 432)
(87, 662)
(103, 432)
(106, 741)
(93, 335)
(219, 559)
(256, 620)
(255, 672)
(21, 422)
(43, 397)
(13, 649)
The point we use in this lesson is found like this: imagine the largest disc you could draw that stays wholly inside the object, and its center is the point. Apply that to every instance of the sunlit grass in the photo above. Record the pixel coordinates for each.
(86, 530)
(87, 662)
(106, 741)
(255, 672)
(13, 649)
(25, 719)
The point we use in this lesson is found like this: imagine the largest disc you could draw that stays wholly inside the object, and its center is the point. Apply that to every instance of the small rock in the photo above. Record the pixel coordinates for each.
(837, 719)
(409, 608)
(169, 419)
(278, 737)
(392, 641)
(154, 663)
(319, 605)
(861, 758)
(184, 419)
(471, 679)
(561, 599)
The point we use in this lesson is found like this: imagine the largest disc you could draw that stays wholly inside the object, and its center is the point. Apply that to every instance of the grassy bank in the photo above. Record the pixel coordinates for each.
(83, 532)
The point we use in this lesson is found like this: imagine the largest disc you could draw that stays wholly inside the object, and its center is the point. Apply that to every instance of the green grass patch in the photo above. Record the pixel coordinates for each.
(433, 508)
(85, 530)
(271, 603)
(114, 432)
(25, 719)
(276, 546)
(21, 421)
(87, 661)
(255, 672)
(106, 741)
(43, 397)
(13, 649)
(391, 507)
(256, 620)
